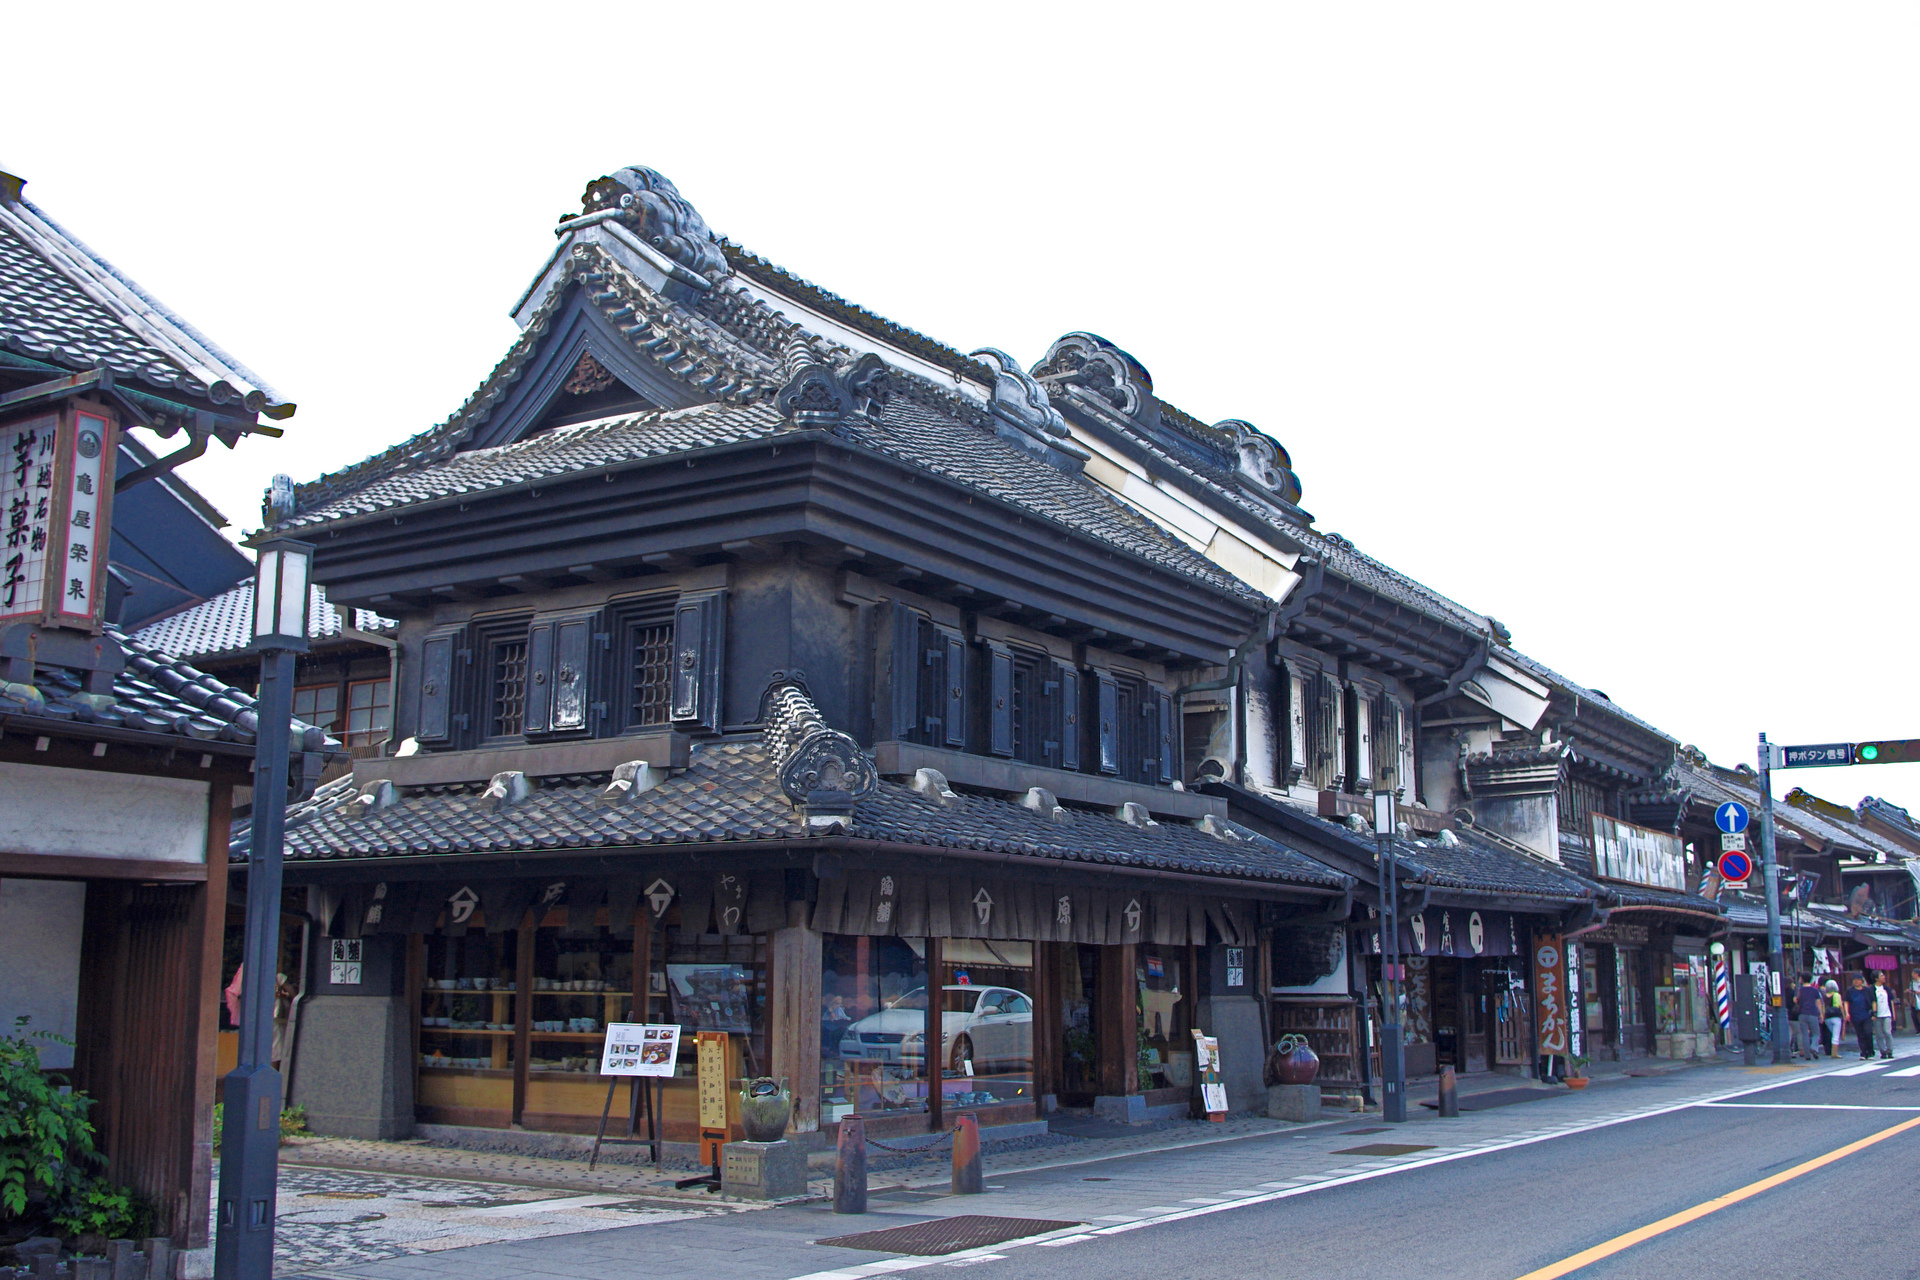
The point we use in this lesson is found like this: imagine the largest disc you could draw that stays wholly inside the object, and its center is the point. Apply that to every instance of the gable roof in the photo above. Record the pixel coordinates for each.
(63, 304)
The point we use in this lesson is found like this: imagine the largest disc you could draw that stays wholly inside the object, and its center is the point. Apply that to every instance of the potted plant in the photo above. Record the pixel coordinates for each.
(1577, 1071)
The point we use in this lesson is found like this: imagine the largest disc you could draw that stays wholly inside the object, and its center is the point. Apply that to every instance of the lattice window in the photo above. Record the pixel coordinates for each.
(507, 673)
(317, 704)
(650, 666)
(369, 712)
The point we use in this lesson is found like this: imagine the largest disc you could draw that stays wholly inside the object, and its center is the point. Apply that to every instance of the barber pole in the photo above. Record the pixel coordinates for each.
(1722, 992)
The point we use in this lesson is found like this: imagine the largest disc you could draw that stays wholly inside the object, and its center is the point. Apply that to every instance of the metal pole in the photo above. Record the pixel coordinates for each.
(251, 1101)
(1393, 1059)
(1770, 869)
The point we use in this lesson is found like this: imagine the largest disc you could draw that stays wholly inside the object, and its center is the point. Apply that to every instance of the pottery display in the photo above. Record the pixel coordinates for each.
(1292, 1061)
(765, 1107)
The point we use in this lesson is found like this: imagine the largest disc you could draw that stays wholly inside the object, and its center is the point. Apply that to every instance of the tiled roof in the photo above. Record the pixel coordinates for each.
(731, 792)
(1591, 696)
(910, 432)
(156, 693)
(62, 303)
(224, 625)
(1716, 784)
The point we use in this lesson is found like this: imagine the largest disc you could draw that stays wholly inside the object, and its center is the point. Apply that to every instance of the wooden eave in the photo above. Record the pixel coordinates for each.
(1346, 619)
(72, 745)
(803, 487)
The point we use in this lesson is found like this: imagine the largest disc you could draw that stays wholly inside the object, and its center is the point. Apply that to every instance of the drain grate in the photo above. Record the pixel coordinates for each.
(947, 1235)
(1385, 1149)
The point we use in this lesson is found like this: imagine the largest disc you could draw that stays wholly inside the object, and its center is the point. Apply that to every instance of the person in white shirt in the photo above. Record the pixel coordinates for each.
(1882, 1016)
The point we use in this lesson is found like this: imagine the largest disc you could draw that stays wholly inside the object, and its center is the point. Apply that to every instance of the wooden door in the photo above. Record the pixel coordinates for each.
(1510, 1020)
(1474, 1006)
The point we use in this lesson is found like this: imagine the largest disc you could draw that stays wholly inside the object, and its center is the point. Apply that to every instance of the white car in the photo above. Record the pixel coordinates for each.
(987, 1026)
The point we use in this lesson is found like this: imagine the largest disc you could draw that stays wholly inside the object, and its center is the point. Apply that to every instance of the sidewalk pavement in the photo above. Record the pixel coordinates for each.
(1102, 1181)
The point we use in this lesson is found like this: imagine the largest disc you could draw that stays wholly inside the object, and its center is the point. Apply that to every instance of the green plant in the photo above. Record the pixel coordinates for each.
(219, 1115)
(1578, 1064)
(101, 1209)
(46, 1140)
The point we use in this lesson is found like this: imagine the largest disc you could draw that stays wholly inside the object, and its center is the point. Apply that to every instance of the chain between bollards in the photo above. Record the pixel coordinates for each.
(850, 1161)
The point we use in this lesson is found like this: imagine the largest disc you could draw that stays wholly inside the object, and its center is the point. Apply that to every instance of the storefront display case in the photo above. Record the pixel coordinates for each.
(1331, 1029)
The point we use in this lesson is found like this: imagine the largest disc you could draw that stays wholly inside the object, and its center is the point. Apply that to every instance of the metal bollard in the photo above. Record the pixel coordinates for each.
(967, 1178)
(850, 1167)
(1449, 1094)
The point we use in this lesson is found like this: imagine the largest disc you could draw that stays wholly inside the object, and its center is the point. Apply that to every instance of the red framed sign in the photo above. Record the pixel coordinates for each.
(56, 510)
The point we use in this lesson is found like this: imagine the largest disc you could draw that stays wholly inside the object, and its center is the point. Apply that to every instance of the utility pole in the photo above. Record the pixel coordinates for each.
(1393, 1054)
(1770, 869)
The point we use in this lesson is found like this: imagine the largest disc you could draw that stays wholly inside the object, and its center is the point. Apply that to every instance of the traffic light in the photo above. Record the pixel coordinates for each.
(1887, 751)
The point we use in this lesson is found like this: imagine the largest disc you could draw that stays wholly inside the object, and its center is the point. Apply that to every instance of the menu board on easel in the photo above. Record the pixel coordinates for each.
(712, 1081)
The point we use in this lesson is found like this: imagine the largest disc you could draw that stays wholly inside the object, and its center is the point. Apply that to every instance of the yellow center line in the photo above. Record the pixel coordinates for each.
(1567, 1266)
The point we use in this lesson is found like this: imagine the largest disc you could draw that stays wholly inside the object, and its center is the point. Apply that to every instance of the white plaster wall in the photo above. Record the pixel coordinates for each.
(82, 814)
(40, 926)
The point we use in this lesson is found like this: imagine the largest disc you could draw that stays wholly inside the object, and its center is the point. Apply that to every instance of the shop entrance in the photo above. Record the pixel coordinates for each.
(1459, 1015)
(1080, 1023)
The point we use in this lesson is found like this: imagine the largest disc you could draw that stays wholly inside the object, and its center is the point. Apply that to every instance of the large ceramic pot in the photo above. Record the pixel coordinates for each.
(764, 1110)
(1294, 1061)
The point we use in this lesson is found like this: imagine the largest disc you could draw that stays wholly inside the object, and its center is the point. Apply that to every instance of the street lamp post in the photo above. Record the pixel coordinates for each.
(1770, 870)
(250, 1137)
(1393, 1053)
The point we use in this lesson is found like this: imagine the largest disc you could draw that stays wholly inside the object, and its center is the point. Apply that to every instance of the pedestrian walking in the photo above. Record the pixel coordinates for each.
(1882, 1016)
(1860, 1015)
(1836, 1010)
(1806, 1025)
(1913, 997)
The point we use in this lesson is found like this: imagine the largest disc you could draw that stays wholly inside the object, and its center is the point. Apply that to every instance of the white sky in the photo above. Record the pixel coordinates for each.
(1600, 320)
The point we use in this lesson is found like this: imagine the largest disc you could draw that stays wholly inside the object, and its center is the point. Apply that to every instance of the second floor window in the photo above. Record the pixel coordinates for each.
(369, 712)
(317, 704)
(507, 687)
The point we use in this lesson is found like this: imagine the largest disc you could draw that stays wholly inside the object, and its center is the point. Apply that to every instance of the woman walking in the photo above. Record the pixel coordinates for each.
(1836, 1011)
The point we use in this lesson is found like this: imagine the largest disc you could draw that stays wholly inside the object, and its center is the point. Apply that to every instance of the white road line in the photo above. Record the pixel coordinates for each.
(1862, 1069)
(520, 1208)
(1803, 1106)
(1904, 1071)
(1334, 1178)
(1059, 1240)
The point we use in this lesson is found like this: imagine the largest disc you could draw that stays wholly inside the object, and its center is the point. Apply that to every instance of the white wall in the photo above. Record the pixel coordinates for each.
(40, 926)
(83, 814)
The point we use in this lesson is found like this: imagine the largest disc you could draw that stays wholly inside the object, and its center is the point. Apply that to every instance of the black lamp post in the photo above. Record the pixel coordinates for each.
(250, 1137)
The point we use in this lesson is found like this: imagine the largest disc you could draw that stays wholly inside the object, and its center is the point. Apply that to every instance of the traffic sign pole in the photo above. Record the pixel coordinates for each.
(1770, 869)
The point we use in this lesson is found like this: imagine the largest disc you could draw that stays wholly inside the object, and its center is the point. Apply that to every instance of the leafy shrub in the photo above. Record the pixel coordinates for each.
(46, 1140)
(102, 1209)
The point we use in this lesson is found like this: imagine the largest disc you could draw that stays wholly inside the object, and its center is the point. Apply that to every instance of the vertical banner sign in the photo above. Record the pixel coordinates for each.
(56, 498)
(1550, 987)
(26, 505)
(712, 1079)
(1576, 1003)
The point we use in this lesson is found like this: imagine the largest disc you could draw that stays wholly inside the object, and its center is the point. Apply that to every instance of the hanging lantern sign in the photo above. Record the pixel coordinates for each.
(56, 509)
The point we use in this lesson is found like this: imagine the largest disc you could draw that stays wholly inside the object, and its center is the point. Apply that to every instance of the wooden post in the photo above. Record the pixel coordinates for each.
(933, 1043)
(1116, 1022)
(1046, 1023)
(208, 927)
(523, 1011)
(793, 1031)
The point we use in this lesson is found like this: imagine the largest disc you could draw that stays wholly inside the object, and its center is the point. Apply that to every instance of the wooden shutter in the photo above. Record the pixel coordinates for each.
(572, 664)
(956, 687)
(538, 714)
(699, 643)
(904, 671)
(999, 700)
(1070, 712)
(1106, 710)
(1164, 758)
(443, 655)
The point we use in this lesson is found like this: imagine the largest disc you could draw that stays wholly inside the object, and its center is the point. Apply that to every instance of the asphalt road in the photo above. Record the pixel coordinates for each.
(1508, 1214)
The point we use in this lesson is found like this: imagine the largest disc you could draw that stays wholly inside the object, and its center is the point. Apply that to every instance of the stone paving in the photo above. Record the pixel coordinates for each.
(329, 1219)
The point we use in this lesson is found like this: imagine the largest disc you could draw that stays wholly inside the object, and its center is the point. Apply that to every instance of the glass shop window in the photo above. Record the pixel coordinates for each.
(1166, 1016)
(369, 712)
(1631, 971)
(582, 980)
(1590, 995)
(468, 1003)
(986, 1023)
(317, 704)
(711, 982)
(873, 1026)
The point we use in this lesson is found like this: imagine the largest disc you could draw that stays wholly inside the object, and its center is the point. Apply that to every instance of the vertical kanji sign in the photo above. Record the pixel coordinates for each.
(1550, 986)
(56, 500)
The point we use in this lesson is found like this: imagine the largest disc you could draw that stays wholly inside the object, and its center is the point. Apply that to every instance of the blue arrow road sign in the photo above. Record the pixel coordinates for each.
(1731, 817)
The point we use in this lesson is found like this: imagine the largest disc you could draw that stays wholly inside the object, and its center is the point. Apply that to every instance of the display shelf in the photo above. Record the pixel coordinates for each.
(566, 1035)
(1329, 1027)
(467, 1031)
